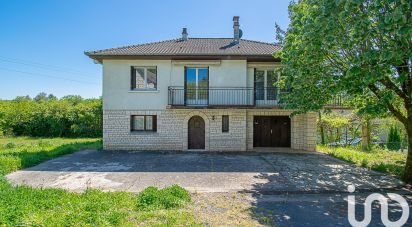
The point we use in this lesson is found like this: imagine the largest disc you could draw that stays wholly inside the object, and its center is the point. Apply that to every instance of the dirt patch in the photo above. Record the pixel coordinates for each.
(225, 209)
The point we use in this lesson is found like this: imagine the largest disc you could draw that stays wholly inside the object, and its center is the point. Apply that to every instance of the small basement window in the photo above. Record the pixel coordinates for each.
(143, 123)
(144, 78)
(225, 123)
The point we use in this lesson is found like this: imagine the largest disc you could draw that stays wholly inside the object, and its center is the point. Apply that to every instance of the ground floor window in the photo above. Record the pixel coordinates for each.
(225, 123)
(143, 123)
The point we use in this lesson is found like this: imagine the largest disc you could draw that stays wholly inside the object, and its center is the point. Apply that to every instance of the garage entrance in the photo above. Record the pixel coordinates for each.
(271, 131)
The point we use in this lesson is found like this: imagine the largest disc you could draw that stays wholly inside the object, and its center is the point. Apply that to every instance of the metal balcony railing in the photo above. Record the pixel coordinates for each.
(237, 97)
(225, 96)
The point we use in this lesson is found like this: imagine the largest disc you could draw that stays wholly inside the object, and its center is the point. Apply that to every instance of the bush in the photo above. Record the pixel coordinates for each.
(70, 116)
(171, 197)
(394, 138)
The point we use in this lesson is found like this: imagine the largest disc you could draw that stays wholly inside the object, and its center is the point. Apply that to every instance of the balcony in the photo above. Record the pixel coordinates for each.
(225, 97)
(244, 97)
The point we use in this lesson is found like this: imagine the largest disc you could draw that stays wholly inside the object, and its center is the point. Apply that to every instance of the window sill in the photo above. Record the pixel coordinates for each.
(143, 91)
(143, 132)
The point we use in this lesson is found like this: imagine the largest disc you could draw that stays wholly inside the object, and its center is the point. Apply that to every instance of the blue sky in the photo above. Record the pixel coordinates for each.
(42, 42)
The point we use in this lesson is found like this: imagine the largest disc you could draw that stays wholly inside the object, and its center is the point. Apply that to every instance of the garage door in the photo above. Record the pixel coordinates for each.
(271, 131)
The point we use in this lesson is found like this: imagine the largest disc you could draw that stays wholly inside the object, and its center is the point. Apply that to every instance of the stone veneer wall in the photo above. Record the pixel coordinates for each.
(172, 129)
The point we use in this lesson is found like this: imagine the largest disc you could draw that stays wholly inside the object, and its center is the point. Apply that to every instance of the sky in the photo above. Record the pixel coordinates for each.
(42, 42)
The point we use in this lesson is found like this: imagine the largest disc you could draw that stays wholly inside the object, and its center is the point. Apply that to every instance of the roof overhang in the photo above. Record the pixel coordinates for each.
(249, 58)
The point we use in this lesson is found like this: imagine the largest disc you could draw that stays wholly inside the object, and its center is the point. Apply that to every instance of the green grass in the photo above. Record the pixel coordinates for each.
(22, 152)
(25, 206)
(381, 160)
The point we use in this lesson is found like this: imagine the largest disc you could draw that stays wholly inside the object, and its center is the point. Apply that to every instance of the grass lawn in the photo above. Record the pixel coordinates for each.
(390, 162)
(56, 207)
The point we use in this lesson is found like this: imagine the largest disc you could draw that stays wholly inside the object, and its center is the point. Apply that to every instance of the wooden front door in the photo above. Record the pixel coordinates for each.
(196, 133)
(271, 131)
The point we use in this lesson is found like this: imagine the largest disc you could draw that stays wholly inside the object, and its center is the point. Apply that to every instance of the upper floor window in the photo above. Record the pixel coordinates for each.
(144, 78)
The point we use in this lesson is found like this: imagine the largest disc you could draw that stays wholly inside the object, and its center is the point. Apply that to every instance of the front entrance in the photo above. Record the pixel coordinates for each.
(196, 133)
(271, 131)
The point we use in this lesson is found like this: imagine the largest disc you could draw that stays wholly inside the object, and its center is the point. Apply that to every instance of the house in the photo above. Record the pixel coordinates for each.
(212, 94)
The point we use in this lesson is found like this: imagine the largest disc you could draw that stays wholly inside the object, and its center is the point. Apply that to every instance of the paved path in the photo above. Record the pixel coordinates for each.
(201, 172)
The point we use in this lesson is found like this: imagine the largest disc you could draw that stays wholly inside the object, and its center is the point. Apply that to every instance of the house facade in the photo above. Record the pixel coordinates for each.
(211, 94)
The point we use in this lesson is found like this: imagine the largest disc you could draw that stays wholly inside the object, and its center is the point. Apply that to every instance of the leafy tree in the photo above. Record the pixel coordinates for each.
(51, 97)
(42, 96)
(19, 98)
(74, 99)
(362, 49)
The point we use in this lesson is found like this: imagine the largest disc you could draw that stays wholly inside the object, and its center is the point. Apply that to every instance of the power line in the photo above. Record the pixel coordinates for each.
(44, 66)
(50, 76)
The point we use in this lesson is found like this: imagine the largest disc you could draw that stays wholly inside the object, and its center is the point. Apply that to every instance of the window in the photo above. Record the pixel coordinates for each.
(143, 123)
(144, 78)
(225, 123)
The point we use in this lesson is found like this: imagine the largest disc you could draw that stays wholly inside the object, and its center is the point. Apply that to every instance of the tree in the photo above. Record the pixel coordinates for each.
(362, 49)
(42, 96)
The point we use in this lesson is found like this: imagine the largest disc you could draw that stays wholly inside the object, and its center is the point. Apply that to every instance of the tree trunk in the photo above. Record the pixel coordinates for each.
(365, 134)
(322, 131)
(407, 176)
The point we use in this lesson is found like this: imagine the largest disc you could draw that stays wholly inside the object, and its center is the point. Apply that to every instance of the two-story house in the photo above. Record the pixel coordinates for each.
(212, 94)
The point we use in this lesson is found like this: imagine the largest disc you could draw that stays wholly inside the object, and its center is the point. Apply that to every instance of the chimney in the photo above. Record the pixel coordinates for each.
(184, 34)
(236, 30)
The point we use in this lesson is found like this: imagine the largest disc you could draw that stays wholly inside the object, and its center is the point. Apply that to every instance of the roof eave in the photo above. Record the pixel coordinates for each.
(252, 57)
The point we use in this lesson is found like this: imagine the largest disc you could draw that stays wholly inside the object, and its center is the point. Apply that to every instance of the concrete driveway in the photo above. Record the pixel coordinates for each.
(286, 189)
(201, 172)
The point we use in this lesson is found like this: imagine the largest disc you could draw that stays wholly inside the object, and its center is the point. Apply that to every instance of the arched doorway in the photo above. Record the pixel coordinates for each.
(196, 133)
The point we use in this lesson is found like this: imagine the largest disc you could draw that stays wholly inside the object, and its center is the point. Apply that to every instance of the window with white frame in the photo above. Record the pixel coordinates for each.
(144, 78)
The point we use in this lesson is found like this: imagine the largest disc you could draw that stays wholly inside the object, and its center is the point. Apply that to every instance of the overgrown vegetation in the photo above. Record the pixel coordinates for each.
(358, 49)
(153, 198)
(25, 206)
(47, 116)
(390, 162)
(23, 152)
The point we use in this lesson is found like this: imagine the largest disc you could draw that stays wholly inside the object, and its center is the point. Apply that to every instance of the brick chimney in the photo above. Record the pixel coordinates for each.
(236, 30)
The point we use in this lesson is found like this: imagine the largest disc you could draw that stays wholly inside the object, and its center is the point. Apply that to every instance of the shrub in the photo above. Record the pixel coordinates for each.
(394, 138)
(10, 145)
(171, 197)
(70, 116)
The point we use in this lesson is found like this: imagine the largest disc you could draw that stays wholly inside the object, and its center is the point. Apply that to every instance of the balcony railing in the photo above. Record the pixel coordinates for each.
(237, 97)
(225, 96)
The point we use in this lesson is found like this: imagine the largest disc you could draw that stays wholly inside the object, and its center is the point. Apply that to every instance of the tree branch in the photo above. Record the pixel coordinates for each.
(391, 86)
(375, 90)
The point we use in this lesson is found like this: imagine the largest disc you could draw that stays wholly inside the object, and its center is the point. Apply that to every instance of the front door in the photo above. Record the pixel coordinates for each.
(196, 137)
(270, 131)
(196, 86)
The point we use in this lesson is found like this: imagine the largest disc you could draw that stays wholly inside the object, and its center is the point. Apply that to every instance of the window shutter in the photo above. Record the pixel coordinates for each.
(254, 86)
(155, 123)
(131, 123)
(133, 78)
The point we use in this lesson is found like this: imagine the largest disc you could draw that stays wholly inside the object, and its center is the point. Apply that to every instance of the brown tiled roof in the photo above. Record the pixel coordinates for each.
(192, 47)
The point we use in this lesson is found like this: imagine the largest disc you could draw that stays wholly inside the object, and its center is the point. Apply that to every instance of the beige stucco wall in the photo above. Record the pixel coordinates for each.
(116, 81)
(172, 129)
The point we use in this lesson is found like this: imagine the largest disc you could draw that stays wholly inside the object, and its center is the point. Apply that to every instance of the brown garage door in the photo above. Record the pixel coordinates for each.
(270, 131)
